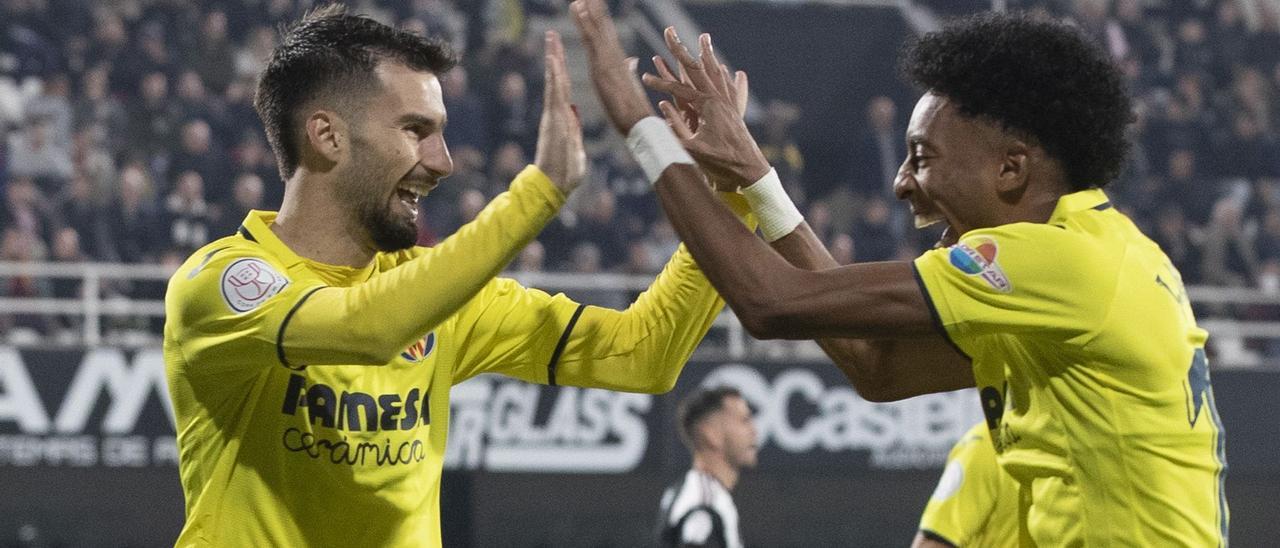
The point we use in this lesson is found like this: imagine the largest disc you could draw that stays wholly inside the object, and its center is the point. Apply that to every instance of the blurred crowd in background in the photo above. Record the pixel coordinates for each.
(127, 134)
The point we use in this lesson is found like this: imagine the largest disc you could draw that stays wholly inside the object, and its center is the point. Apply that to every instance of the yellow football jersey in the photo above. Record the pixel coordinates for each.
(975, 503)
(281, 444)
(1092, 376)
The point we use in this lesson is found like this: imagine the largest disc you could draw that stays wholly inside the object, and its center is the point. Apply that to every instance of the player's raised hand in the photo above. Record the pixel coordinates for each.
(560, 153)
(612, 73)
(715, 102)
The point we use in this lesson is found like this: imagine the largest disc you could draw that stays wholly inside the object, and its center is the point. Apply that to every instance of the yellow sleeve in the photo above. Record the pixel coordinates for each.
(528, 334)
(371, 322)
(1018, 278)
(972, 498)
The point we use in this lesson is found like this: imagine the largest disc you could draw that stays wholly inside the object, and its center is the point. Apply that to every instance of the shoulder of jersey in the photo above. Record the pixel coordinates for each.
(241, 272)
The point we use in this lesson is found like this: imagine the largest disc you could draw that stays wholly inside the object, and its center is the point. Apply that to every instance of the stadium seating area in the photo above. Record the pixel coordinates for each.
(128, 135)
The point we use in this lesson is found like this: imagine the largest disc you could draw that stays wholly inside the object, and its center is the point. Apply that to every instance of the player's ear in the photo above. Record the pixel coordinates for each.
(326, 133)
(1014, 166)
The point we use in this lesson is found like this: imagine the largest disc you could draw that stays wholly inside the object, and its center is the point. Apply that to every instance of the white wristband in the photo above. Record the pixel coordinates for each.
(655, 147)
(778, 215)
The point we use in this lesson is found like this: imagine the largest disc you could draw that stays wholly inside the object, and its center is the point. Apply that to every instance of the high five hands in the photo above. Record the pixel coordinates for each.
(560, 153)
(708, 106)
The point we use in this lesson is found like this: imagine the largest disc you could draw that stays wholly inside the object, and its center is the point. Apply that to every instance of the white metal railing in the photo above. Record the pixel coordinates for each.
(95, 303)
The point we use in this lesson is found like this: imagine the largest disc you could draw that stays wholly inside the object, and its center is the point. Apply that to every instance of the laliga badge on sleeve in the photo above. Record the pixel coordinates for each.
(247, 283)
(977, 257)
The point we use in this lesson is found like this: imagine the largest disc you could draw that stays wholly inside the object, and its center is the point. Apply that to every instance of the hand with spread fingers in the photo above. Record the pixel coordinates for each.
(612, 73)
(560, 153)
(707, 114)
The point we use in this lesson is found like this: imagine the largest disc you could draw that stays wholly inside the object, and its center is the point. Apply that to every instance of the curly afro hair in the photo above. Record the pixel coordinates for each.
(1041, 79)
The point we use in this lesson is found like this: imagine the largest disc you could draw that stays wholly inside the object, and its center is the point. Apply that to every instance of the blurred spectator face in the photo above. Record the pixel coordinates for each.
(881, 113)
(134, 186)
(57, 85)
(80, 190)
(155, 87)
(778, 118)
(1227, 214)
(532, 258)
(639, 260)
(454, 84)
(603, 207)
(191, 86)
(508, 160)
(190, 186)
(1129, 11)
(1182, 164)
(842, 249)
(1245, 127)
(21, 193)
(248, 191)
(1191, 31)
(215, 26)
(1228, 14)
(1271, 223)
(95, 83)
(585, 258)
(1191, 89)
(1091, 11)
(195, 137)
(512, 89)
(876, 212)
(108, 28)
(413, 25)
(19, 246)
(468, 159)
(66, 245)
(1171, 221)
(469, 204)
(819, 216)
(251, 151)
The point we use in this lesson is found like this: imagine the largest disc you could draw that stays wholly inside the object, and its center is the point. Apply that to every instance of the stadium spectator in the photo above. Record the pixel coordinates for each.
(96, 106)
(513, 114)
(132, 220)
(83, 213)
(26, 211)
(199, 152)
(211, 54)
(153, 117)
(698, 510)
(468, 126)
(879, 149)
(245, 197)
(187, 215)
(21, 246)
(779, 147)
(34, 153)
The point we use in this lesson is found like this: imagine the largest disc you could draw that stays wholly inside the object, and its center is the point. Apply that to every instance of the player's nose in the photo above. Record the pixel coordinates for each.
(433, 154)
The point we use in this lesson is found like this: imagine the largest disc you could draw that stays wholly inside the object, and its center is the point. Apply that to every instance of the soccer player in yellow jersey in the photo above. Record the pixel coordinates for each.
(975, 503)
(310, 356)
(1071, 323)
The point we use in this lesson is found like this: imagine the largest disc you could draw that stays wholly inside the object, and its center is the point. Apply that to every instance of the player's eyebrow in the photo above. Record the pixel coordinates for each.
(417, 119)
(917, 140)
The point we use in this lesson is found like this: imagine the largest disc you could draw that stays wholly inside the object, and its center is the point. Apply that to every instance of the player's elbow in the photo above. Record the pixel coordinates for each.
(768, 317)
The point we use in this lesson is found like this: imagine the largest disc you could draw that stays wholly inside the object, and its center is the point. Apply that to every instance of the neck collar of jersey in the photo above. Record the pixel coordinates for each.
(257, 228)
(1093, 198)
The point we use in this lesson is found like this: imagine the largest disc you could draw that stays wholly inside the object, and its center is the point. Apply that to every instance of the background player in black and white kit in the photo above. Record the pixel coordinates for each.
(698, 510)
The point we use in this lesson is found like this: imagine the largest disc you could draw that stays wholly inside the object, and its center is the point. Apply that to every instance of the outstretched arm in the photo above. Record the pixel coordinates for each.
(773, 298)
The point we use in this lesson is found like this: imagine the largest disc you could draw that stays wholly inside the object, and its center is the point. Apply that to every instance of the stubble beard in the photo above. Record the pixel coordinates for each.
(387, 231)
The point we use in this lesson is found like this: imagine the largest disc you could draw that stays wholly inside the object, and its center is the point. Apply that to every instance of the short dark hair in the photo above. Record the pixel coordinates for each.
(332, 54)
(1042, 79)
(699, 405)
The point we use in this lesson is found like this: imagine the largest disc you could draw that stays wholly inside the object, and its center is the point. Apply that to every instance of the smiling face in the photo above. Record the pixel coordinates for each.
(951, 166)
(397, 156)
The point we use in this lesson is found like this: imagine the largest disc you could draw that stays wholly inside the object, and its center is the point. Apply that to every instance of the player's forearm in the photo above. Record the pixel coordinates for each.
(643, 348)
(744, 269)
(854, 357)
(371, 322)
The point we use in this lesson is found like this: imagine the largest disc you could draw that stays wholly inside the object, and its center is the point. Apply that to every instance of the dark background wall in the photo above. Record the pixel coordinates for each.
(818, 495)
